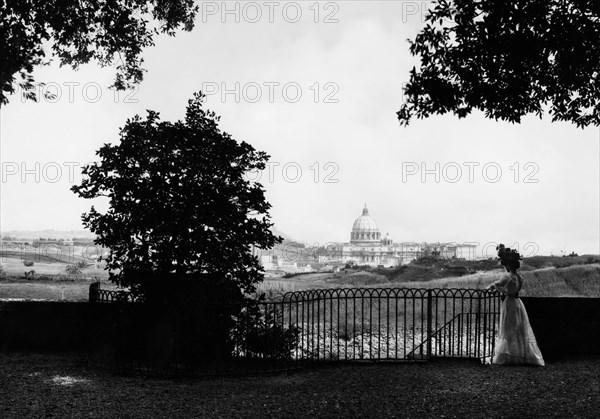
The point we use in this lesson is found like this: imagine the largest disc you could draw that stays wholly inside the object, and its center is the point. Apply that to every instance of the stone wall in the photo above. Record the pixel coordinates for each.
(563, 326)
(43, 325)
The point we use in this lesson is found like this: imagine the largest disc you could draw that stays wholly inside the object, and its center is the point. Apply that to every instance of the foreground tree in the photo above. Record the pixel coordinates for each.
(180, 205)
(108, 32)
(508, 59)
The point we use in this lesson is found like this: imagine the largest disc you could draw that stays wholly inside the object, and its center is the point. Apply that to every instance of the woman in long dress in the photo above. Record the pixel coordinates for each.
(515, 341)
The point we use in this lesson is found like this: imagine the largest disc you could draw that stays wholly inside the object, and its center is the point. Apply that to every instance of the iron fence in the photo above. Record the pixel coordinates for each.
(99, 295)
(391, 323)
(363, 324)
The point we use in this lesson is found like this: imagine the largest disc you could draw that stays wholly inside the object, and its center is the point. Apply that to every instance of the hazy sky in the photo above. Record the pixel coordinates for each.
(320, 98)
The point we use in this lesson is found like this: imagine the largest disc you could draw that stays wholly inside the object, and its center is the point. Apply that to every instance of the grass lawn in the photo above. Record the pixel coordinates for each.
(51, 291)
(47, 290)
(44, 265)
(57, 285)
(62, 385)
(572, 281)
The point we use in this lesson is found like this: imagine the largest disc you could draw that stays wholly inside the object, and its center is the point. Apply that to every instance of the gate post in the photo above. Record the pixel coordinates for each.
(485, 321)
(429, 325)
(94, 295)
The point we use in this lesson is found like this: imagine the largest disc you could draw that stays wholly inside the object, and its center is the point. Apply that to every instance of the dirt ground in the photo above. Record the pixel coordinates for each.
(64, 386)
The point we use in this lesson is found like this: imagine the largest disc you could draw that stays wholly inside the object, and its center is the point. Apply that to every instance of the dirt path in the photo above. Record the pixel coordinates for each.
(47, 385)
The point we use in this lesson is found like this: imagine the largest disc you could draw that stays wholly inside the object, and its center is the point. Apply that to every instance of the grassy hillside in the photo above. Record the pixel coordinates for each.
(537, 262)
(49, 267)
(572, 281)
(51, 291)
(426, 269)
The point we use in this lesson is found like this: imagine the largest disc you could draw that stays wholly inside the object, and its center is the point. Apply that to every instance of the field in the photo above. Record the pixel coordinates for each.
(13, 265)
(571, 281)
(40, 291)
(50, 280)
(543, 277)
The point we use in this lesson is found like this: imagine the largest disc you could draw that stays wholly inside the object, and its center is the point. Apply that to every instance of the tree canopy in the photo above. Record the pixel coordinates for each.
(180, 202)
(109, 32)
(507, 59)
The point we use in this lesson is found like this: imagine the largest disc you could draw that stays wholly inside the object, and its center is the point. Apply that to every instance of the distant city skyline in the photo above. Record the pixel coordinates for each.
(320, 98)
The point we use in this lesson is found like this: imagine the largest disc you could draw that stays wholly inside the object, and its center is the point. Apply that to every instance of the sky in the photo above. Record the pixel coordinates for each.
(317, 86)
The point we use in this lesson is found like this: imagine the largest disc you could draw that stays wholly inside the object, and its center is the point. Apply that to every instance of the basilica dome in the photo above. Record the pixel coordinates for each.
(364, 229)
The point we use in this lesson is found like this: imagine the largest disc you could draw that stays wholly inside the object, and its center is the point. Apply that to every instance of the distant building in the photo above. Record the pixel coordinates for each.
(368, 247)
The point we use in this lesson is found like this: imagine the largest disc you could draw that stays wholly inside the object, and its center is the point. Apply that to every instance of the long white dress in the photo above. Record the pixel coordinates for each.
(515, 341)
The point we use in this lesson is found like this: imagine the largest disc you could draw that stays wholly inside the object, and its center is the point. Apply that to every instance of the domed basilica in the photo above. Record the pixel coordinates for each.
(368, 247)
(365, 229)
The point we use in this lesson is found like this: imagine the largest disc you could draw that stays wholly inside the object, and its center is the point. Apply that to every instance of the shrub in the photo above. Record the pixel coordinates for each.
(350, 265)
(82, 264)
(559, 261)
(260, 335)
(28, 263)
(73, 270)
(273, 290)
(272, 341)
(30, 274)
(451, 271)
(361, 278)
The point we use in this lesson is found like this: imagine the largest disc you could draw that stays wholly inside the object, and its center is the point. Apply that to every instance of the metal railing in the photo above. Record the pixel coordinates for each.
(391, 323)
(99, 295)
(365, 324)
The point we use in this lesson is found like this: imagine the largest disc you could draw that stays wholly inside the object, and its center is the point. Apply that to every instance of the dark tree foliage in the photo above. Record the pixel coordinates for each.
(181, 205)
(78, 31)
(508, 59)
